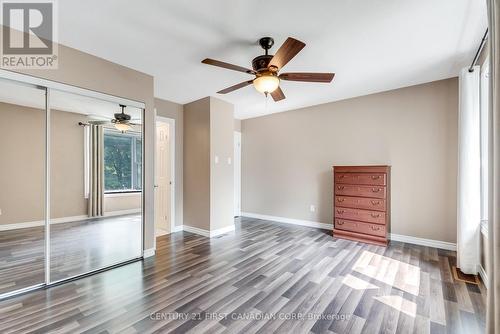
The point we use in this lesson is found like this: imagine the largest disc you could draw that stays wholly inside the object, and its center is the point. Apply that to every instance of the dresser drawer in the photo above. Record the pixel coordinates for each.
(360, 227)
(360, 191)
(376, 217)
(360, 203)
(361, 178)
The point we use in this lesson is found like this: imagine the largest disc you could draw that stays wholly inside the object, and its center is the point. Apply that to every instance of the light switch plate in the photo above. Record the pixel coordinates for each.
(216, 159)
(229, 161)
(312, 208)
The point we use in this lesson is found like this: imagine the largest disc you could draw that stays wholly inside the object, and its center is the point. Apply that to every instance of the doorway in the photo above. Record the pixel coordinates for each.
(164, 176)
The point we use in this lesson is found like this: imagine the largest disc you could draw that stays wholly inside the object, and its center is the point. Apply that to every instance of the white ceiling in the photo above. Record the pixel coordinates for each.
(30, 96)
(371, 45)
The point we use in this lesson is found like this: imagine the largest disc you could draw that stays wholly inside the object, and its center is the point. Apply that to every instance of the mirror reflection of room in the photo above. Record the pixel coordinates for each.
(96, 184)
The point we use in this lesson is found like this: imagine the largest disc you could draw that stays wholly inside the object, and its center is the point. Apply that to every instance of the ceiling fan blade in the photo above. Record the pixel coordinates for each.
(307, 77)
(286, 52)
(235, 87)
(227, 65)
(278, 95)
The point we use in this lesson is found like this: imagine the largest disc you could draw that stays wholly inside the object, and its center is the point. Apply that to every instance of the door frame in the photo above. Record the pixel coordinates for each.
(237, 173)
(171, 123)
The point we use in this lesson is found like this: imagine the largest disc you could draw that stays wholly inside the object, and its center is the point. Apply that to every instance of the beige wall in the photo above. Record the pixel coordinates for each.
(122, 202)
(221, 176)
(87, 71)
(22, 152)
(208, 185)
(237, 125)
(197, 164)
(175, 111)
(287, 157)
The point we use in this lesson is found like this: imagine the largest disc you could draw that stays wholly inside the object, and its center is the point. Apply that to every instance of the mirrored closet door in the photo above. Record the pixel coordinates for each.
(95, 184)
(71, 181)
(22, 186)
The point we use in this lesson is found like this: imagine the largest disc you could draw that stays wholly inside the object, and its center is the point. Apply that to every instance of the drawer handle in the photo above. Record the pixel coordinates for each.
(375, 228)
(375, 215)
(340, 200)
(375, 202)
(375, 190)
(340, 211)
(340, 187)
(340, 223)
(375, 177)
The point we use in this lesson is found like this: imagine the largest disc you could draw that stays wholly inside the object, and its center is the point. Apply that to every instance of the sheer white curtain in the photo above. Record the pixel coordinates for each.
(469, 172)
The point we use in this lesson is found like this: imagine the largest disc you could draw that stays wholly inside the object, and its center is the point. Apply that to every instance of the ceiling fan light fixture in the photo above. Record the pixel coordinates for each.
(123, 127)
(266, 83)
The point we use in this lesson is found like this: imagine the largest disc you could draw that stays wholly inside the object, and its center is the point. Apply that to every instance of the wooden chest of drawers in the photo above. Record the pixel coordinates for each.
(361, 203)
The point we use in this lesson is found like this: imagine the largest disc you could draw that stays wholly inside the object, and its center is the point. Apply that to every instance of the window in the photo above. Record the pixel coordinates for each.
(122, 162)
(484, 121)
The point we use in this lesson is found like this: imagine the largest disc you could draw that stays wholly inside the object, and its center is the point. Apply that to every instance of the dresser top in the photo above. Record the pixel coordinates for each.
(363, 169)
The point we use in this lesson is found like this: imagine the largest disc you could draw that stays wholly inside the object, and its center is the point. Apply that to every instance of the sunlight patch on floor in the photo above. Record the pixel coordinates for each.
(396, 273)
(357, 283)
(400, 304)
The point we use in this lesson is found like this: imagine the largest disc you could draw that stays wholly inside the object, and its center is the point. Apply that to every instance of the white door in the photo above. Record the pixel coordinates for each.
(163, 184)
(237, 174)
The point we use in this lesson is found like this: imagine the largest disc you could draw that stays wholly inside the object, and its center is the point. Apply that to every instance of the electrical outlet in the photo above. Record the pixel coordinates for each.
(312, 208)
(229, 161)
(0, 212)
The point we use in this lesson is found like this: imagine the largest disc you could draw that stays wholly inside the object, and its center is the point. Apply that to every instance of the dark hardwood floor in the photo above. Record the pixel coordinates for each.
(76, 248)
(235, 282)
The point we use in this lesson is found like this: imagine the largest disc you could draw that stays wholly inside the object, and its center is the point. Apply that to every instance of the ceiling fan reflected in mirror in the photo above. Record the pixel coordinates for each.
(121, 120)
(266, 69)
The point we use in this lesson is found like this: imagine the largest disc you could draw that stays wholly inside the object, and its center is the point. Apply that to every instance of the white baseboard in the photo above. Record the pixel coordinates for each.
(63, 220)
(38, 223)
(221, 231)
(179, 228)
(483, 274)
(424, 242)
(395, 237)
(121, 212)
(207, 233)
(288, 220)
(149, 252)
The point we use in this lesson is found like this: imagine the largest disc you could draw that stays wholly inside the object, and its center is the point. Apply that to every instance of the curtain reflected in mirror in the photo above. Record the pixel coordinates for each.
(22, 186)
(96, 184)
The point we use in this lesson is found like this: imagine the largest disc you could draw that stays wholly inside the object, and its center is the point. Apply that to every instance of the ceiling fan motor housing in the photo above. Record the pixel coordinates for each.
(261, 62)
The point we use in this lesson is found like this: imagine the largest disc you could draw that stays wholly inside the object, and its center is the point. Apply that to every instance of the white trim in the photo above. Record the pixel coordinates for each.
(237, 173)
(177, 228)
(38, 223)
(196, 230)
(221, 231)
(63, 220)
(122, 194)
(300, 222)
(206, 233)
(120, 213)
(395, 237)
(69, 88)
(483, 275)
(149, 252)
(424, 242)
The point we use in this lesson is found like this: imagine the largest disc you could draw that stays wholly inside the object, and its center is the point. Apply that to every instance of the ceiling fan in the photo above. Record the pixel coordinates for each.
(121, 120)
(266, 69)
